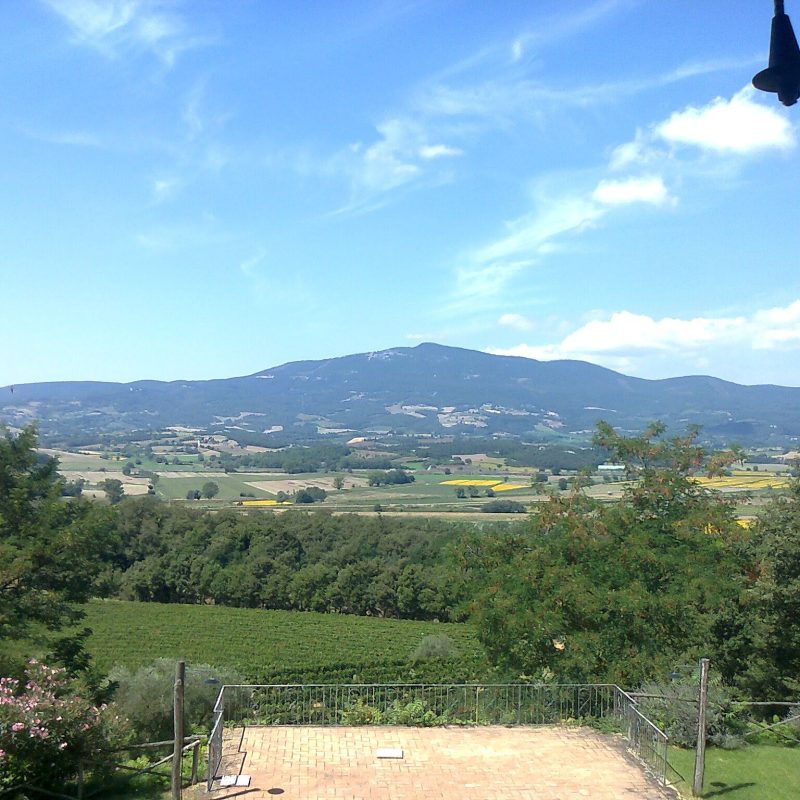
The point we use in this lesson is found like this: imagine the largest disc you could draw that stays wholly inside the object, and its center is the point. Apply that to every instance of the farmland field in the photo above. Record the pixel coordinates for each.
(276, 646)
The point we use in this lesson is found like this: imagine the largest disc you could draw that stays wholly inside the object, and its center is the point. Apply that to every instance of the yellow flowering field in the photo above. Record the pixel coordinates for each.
(744, 481)
(507, 487)
(471, 482)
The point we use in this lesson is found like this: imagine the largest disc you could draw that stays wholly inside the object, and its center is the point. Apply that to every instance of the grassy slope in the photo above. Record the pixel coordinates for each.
(272, 646)
(757, 772)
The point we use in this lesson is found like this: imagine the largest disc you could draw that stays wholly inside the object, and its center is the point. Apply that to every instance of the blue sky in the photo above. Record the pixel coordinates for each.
(206, 189)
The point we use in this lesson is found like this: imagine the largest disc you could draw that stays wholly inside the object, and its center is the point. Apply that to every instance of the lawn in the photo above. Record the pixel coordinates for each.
(756, 772)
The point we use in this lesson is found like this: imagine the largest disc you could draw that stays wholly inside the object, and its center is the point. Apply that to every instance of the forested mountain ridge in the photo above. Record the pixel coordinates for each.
(429, 389)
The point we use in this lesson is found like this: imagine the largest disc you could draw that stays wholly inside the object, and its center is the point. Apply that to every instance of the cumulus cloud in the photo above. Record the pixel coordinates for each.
(739, 125)
(625, 331)
(731, 129)
(625, 339)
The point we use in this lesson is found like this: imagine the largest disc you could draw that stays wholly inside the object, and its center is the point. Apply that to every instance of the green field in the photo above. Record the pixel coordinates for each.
(276, 646)
(427, 493)
(756, 772)
(230, 486)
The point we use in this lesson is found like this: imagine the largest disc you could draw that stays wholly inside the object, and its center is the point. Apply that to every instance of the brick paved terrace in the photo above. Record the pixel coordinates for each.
(464, 763)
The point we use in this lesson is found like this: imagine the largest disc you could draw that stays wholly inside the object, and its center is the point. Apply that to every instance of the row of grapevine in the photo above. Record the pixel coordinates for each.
(278, 646)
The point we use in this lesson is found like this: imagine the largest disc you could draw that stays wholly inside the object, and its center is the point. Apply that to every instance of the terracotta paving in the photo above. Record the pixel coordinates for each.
(520, 763)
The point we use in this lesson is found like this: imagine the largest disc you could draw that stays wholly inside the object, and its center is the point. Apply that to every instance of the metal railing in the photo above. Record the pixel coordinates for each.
(434, 704)
(646, 741)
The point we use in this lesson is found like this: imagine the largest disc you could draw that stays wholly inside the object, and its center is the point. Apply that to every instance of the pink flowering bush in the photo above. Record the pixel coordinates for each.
(46, 728)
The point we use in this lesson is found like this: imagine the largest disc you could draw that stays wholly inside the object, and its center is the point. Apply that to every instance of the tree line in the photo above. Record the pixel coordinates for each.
(580, 591)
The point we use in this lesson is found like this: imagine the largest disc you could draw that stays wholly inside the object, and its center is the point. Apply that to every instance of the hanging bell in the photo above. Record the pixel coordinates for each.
(783, 74)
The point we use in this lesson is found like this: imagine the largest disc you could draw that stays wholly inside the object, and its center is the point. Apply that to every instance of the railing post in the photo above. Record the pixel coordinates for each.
(700, 755)
(177, 713)
(195, 759)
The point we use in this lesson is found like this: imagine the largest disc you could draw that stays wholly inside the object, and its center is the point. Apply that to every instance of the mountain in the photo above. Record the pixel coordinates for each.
(425, 389)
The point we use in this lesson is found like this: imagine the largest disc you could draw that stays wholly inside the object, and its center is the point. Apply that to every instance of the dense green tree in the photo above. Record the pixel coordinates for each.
(209, 490)
(593, 592)
(389, 477)
(51, 548)
(114, 489)
(307, 561)
(503, 506)
(758, 639)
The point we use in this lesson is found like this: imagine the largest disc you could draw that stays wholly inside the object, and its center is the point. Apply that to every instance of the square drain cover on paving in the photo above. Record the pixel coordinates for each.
(235, 780)
(389, 752)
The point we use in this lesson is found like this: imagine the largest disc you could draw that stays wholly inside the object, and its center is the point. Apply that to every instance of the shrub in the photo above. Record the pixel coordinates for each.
(503, 507)
(145, 696)
(362, 714)
(47, 727)
(435, 646)
(414, 713)
(673, 708)
(311, 494)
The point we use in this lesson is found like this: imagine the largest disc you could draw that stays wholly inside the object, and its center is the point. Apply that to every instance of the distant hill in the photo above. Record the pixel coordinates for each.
(428, 389)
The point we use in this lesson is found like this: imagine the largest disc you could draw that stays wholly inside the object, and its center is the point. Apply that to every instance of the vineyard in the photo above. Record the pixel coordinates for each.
(277, 646)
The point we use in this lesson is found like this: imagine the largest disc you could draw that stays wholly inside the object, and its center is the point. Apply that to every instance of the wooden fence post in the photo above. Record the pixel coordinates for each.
(700, 755)
(177, 713)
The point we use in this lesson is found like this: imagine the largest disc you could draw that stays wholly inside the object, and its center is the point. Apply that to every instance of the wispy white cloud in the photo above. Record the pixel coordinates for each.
(516, 321)
(402, 154)
(498, 95)
(113, 26)
(556, 28)
(176, 236)
(165, 188)
(71, 138)
(191, 113)
(250, 265)
(419, 337)
(642, 172)
(439, 151)
(486, 272)
(649, 189)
